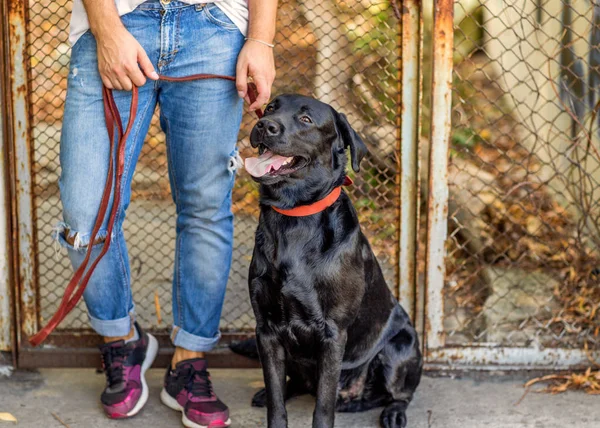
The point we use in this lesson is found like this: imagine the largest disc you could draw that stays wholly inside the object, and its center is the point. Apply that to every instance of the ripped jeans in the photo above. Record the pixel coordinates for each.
(201, 120)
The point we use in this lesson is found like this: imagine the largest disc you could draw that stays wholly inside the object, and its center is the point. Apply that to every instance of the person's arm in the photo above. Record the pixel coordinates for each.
(119, 53)
(255, 58)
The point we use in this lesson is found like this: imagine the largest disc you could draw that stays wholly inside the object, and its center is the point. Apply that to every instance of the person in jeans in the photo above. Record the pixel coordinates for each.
(121, 43)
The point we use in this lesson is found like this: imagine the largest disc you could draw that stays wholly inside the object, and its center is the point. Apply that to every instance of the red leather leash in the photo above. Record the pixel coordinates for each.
(76, 286)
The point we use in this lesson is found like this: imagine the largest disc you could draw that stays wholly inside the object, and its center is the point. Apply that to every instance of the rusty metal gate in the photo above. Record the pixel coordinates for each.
(516, 282)
(477, 197)
(345, 53)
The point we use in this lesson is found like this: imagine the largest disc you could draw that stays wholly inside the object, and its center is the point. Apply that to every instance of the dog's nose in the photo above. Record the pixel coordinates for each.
(272, 128)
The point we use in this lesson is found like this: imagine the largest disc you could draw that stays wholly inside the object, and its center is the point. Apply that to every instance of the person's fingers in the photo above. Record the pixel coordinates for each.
(116, 84)
(125, 82)
(241, 77)
(107, 82)
(146, 64)
(264, 92)
(135, 74)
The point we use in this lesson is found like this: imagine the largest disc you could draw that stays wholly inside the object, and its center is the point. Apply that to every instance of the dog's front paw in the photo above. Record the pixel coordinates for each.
(260, 398)
(394, 416)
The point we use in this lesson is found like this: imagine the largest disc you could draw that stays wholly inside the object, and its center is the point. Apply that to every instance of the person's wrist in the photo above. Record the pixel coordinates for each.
(262, 43)
(266, 38)
(102, 31)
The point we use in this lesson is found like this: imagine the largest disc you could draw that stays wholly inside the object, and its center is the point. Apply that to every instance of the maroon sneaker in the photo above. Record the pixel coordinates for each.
(125, 364)
(188, 389)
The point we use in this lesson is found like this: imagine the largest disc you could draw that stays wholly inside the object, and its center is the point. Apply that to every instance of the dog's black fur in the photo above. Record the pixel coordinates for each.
(325, 316)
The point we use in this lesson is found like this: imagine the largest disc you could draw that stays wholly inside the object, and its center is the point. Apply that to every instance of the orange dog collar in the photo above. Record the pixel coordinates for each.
(317, 207)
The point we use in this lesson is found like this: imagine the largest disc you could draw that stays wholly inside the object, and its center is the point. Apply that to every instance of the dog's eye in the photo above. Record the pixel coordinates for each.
(306, 119)
(269, 109)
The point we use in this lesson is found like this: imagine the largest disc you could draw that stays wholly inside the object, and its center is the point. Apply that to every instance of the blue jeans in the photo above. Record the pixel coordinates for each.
(201, 120)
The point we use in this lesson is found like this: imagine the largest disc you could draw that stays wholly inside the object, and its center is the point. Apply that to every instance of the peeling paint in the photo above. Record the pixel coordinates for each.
(6, 314)
(5, 285)
(442, 66)
(409, 130)
(511, 358)
(21, 139)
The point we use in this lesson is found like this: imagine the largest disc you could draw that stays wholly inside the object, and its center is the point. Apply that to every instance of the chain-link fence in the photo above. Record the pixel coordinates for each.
(344, 53)
(523, 263)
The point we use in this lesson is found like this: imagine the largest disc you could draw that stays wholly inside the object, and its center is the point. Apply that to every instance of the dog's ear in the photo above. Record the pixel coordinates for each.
(350, 138)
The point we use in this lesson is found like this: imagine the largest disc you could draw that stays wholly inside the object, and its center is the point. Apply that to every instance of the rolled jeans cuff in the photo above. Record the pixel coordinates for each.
(185, 340)
(112, 328)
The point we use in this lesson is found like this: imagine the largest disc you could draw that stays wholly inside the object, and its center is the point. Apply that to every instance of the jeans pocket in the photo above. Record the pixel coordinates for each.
(218, 17)
(84, 40)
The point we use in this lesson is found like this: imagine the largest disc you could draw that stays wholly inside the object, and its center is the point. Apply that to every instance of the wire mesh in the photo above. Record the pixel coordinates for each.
(359, 79)
(522, 261)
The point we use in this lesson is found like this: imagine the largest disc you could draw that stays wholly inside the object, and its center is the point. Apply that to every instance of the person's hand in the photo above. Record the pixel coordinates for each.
(122, 61)
(255, 60)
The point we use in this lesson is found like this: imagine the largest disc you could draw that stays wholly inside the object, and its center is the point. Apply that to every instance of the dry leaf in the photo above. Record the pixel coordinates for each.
(157, 308)
(7, 417)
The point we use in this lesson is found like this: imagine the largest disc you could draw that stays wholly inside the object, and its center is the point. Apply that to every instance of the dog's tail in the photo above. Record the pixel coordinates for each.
(247, 348)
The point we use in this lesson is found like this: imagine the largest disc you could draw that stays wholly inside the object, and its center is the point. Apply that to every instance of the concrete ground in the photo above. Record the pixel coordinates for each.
(59, 398)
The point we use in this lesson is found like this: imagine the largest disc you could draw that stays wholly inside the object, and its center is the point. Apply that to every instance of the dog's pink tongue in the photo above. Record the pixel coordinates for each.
(265, 163)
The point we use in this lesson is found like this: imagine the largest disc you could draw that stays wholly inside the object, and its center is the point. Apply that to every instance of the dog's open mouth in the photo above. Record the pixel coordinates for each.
(272, 164)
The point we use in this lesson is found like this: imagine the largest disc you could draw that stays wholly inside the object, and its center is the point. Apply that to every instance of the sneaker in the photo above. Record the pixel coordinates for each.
(188, 389)
(125, 364)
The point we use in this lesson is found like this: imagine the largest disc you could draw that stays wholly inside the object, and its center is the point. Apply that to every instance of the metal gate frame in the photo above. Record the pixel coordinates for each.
(438, 355)
(423, 299)
(75, 348)
(7, 298)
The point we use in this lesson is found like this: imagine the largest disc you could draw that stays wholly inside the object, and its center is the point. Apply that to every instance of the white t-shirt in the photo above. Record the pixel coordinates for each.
(236, 10)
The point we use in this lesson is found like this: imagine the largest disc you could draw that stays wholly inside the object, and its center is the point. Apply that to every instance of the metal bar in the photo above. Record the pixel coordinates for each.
(437, 203)
(77, 349)
(7, 166)
(20, 136)
(5, 261)
(409, 151)
(6, 294)
(5, 254)
(78, 338)
(90, 357)
(517, 358)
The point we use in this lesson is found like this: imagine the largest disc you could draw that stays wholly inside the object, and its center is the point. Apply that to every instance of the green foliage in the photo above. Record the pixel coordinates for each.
(465, 138)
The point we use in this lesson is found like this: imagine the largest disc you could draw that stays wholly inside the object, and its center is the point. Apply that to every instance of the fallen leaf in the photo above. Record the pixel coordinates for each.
(7, 417)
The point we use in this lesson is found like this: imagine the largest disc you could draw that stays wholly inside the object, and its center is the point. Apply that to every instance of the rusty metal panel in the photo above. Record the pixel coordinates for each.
(409, 128)
(21, 140)
(510, 358)
(357, 58)
(5, 285)
(353, 65)
(72, 348)
(519, 286)
(437, 203)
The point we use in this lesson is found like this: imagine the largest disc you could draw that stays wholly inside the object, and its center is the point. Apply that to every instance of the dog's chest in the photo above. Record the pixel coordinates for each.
(305, 279)
(301, 301)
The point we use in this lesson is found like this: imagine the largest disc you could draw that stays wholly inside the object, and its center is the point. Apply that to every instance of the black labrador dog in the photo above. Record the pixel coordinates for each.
(325, 316)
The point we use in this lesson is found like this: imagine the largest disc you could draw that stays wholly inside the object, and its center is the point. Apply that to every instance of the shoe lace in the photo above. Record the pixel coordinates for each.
(198, 383)
(112, 361)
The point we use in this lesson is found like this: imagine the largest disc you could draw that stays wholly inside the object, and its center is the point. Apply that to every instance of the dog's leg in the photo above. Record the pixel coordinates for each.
(272, 357)
(329, 368)
(402, 373)
(293, 388)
